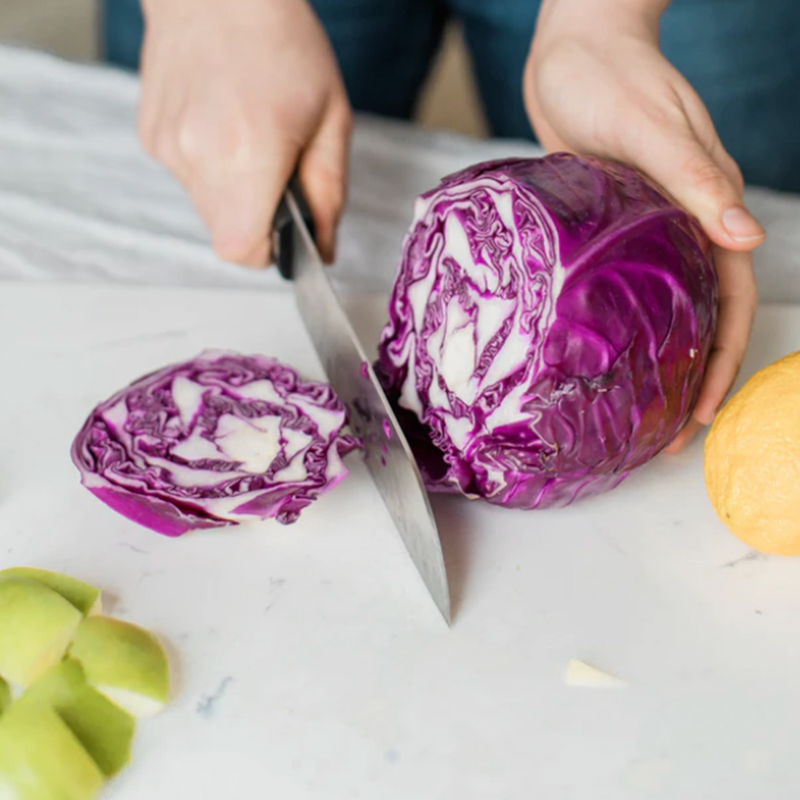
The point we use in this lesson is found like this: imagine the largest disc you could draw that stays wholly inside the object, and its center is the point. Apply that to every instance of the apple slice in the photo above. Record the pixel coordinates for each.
(124, 662)
(102, 727)
(5, 696)
(85, 597)
(40, 758)
(36, 627)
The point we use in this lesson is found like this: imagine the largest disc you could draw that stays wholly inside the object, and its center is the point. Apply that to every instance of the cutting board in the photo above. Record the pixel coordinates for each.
(310, 663)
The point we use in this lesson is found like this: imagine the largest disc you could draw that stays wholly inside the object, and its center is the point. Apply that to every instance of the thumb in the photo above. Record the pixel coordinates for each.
(708, 187)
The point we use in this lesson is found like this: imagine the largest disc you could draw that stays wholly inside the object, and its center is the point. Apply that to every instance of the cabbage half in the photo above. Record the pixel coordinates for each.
(550, 326)
(214, 441)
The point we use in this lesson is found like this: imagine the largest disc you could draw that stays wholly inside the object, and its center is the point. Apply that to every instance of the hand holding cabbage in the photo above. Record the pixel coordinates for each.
(550, 326)
(235, 95)
(597, 83)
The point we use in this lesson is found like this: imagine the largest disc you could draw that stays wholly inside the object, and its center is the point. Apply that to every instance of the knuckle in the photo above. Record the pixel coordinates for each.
(163, 148)
(229, 138)
(704, 174)
(728, 165)
(191, 138)
(736, 177)
(157, 141)
(665, 116)
(233, 247)
(229, 249)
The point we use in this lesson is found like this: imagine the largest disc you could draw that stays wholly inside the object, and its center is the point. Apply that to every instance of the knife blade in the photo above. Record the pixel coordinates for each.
(387, 454)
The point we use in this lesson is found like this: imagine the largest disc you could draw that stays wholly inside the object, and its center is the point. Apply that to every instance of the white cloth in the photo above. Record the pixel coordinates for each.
(81, 201)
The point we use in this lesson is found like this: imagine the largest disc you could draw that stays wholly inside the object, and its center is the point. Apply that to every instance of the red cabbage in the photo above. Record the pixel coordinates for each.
(549, 328)
(214, 441)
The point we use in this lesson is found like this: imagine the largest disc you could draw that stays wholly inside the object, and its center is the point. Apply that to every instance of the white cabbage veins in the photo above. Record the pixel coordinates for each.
(549, 328)
(214, 441)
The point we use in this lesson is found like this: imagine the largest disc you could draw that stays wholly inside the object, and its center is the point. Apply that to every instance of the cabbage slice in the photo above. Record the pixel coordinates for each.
(217, 440)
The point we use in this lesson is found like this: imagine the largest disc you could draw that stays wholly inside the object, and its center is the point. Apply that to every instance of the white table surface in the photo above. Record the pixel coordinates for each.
(336, 676)
(309, 661)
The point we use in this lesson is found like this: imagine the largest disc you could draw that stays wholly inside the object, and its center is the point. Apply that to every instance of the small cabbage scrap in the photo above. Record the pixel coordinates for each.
(214, 441)
(549, 328)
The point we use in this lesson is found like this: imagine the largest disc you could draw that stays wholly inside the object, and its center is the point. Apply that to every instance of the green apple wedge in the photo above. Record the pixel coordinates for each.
(41, 759)
(125, 662)
(85, 597)
(103, 728)
(5, 696)
(36, 627)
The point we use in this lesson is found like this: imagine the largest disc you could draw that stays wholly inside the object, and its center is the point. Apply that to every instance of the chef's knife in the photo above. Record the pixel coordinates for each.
(386, 451)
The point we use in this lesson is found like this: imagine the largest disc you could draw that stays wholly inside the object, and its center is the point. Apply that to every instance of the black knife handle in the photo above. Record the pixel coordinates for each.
(283, 228)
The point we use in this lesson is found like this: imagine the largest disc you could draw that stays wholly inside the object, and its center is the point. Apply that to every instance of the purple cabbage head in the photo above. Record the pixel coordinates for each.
(214, 441)
(549, 328)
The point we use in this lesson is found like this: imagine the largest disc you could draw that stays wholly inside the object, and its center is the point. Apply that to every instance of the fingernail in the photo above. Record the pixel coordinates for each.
(705, 418)
(741, 226)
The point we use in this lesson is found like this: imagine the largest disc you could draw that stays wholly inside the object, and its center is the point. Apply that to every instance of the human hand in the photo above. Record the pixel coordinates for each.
(596, 83)
(235, 95)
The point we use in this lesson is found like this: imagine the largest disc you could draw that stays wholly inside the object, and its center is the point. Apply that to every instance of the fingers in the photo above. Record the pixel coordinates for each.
(238, 207)
(689, 431)
(237, 197)
(628, 103)
(696, 170)
(704, 180)
(737, 308)
(238, 203)
(158, 117)
(323, 173)
(156, 125)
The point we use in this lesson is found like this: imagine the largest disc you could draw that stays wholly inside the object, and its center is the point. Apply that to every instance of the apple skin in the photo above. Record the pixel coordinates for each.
(103, 728)
(125, 662)
(36, 627)
(5, 696)
(85, 597)
(41, 759)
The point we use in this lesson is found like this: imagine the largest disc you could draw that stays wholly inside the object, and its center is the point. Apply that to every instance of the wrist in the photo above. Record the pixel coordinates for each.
(632, 17)
(156, 9)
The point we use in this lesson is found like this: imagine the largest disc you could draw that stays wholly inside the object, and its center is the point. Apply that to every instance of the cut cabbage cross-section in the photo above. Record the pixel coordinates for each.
(549, 328)
(217, 440)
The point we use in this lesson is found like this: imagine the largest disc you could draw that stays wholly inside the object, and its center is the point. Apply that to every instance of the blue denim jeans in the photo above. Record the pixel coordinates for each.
(742, 56)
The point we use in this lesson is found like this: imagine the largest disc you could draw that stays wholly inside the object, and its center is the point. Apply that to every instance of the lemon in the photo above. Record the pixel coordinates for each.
(752, 460)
